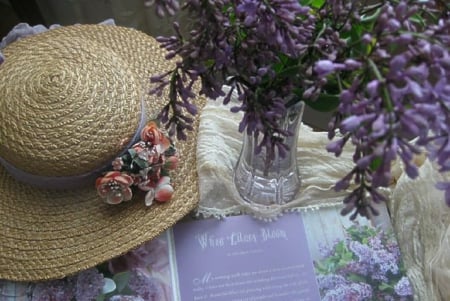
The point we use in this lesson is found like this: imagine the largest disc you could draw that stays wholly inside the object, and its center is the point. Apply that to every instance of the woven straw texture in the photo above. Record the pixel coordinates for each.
(69, 98)
(46, 96)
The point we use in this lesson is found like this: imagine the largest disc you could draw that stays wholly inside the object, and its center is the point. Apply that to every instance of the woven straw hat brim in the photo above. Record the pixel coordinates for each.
(48, 234)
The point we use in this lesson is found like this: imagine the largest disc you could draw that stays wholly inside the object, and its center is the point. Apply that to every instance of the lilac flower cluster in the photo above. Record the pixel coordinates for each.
(403, 287)
(236, 42)
(139, 283)
(400, 92)
(86, 285)
(145, 287)
(375, 263)
(343, 289)
(364, 266)
(382, 66)
(164, 7)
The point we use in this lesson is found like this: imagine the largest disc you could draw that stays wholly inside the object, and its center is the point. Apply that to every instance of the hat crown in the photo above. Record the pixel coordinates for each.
(67, 105)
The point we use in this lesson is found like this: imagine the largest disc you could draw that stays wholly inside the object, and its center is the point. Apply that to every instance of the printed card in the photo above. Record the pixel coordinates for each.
(314, 255)
(243, 259)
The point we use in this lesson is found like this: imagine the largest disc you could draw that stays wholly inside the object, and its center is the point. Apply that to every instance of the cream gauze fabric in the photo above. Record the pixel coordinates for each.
(421, 221)
(418, 212)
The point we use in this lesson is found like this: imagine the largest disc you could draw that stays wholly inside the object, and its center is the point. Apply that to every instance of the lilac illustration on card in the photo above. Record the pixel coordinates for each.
(364, 265)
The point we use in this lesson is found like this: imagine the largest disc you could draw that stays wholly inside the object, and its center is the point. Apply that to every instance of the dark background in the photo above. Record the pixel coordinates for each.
(16, 11)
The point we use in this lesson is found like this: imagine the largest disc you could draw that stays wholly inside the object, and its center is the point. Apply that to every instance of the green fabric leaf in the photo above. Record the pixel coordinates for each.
(140, 162)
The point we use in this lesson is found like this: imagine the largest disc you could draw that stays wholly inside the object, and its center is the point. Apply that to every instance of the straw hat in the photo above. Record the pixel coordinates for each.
(71, 100)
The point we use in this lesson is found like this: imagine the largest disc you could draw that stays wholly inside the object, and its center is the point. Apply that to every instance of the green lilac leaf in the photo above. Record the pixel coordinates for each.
(324, 103)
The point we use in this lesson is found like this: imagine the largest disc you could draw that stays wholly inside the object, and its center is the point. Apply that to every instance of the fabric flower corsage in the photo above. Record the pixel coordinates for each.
(144, 166)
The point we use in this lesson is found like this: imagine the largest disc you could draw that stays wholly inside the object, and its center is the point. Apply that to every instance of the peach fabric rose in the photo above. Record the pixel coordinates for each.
(114, 187)
(150, 133)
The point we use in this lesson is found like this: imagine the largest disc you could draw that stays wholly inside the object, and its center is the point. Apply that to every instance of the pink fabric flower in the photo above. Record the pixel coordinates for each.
(163, 190)
(151, 133)
(114, 187)
(171, 162)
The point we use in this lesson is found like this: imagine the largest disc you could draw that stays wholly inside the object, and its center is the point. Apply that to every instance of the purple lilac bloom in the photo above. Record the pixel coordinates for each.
(164, 7)
(358, 268)
(362, 251)
(330, 281)
(405, 100)
(364, 290)
(403, 287)
(88, 284)
(374, 261)
(384, 264)
(325, 67)
(145, 285)
(60, 290)
(349, 291)
(393, 247)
